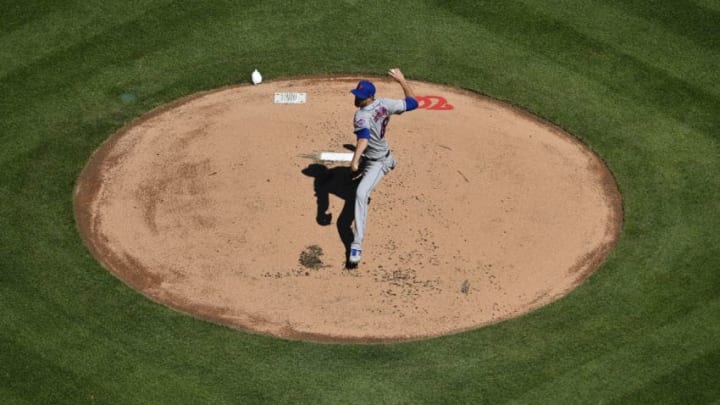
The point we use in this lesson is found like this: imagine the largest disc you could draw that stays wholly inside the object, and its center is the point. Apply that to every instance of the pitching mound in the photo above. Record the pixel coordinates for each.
(214, 206)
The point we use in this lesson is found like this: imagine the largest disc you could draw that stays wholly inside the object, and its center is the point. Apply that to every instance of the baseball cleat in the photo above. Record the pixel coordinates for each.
(355, 256)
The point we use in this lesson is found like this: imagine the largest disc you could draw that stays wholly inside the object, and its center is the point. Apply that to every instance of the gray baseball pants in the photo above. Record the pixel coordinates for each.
(373, 172)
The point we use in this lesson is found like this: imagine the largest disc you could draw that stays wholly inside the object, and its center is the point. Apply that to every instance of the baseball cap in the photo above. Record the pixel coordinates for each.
(364, 89)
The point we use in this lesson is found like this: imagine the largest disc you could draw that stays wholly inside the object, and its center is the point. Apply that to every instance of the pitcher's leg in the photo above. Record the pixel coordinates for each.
(372, 176)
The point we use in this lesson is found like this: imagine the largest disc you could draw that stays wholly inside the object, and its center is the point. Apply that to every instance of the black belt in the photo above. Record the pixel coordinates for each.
(378, 159)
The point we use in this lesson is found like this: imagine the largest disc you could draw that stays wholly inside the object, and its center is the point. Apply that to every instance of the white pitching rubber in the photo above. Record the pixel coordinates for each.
(336, 156)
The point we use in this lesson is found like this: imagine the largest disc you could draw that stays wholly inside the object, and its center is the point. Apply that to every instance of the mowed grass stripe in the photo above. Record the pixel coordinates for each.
(681, 385)
(711, 5)
(628, 369)
(56, 96)
(625, 74)
(698, 23)
(115, 45)
(650, 42)
(80, 347)
(51, 26)
(35, 377)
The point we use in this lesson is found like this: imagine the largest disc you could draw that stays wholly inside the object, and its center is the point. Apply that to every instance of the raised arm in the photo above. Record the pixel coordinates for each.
(411, 102)
(397, 74)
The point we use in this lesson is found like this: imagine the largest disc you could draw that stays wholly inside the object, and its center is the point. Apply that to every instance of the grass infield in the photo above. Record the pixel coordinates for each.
(637, 81)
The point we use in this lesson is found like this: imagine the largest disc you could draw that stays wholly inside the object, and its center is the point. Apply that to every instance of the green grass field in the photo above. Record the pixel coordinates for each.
(636, 80)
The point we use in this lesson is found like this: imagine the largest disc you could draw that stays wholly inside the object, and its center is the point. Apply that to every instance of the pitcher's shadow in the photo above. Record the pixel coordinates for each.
(337, 181)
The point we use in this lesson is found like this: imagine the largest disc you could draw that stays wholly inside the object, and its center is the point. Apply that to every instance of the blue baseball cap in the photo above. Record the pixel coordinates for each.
(364, 89)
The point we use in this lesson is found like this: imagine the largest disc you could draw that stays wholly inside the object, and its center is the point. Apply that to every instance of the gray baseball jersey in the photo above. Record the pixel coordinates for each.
(375, 118)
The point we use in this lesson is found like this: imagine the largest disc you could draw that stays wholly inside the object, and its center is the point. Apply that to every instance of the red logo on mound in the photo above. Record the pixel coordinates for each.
(433, 103)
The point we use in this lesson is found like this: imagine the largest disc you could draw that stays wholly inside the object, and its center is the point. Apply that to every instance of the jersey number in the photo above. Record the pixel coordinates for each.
(384, 125)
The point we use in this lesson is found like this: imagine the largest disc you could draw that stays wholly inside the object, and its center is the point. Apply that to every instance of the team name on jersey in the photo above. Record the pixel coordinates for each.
(380, 114)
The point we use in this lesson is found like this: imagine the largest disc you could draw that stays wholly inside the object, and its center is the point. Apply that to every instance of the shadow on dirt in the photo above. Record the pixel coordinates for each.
(338, 182)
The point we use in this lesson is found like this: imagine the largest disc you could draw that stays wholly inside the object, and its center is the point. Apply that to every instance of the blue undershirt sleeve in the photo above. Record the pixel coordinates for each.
(363, 133)
(410, 103)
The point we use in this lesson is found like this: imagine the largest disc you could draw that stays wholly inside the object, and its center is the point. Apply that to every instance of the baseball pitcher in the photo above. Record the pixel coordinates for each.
(372, 152)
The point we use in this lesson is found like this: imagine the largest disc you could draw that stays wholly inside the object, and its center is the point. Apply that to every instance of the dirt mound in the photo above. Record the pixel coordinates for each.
(212, 207)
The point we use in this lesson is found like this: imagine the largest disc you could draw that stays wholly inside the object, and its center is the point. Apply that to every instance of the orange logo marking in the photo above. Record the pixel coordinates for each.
(433, 103)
